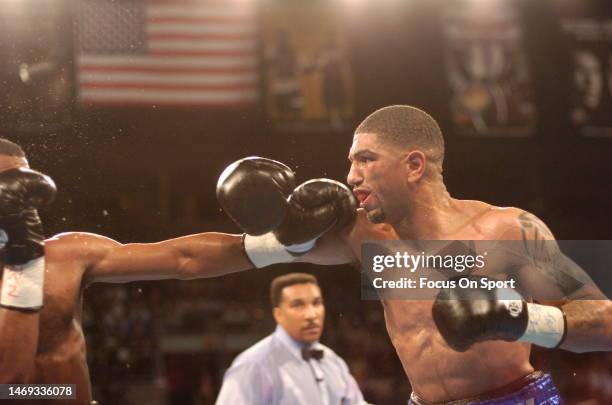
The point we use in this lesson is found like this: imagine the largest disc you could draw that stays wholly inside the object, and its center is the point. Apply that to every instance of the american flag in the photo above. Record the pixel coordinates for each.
(176, 53)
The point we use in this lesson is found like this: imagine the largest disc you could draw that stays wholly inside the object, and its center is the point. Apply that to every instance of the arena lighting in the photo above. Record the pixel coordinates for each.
(353, 2)
(30, 73)
(485, 5)
(242, 2)
(13, 6)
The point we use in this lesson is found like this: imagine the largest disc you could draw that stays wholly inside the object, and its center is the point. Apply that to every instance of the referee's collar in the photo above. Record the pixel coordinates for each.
(294, 346)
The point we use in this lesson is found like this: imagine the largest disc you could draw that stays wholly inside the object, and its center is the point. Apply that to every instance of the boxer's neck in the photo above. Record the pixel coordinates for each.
(429, 215)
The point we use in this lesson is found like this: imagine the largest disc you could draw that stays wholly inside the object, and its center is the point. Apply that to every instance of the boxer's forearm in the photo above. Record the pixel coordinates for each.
(589, 326)
(211, 255)
(196, 256)
(18, 344)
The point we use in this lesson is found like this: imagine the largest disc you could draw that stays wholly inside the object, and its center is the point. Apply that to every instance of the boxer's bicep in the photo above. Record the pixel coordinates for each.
(195, 256)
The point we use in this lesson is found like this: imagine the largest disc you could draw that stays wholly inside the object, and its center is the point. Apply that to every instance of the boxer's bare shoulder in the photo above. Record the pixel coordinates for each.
(79, 243)
(81, 249)
(509, 223)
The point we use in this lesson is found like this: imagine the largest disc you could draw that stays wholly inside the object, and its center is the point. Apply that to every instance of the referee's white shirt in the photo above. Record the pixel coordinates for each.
(272, 372)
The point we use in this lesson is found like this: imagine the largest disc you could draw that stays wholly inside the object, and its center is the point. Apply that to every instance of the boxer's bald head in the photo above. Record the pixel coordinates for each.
(407, 127)
(11, 155)
(9, 148)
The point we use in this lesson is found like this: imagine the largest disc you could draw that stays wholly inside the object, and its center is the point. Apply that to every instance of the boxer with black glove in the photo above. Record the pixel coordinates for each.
(22, 192)
(465, 316)
(253, 192)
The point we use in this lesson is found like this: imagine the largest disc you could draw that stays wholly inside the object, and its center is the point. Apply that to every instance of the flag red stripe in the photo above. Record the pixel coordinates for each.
(163, 69)
(92, 102)
(211, 54)
(163, 86)
(154, 36)
(198, 20)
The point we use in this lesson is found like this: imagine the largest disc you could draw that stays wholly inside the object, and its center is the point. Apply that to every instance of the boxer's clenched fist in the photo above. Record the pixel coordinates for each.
(253, 191)
(333, 197)
(465, 316)
(313, 208)
(258, 201)
(22, 192)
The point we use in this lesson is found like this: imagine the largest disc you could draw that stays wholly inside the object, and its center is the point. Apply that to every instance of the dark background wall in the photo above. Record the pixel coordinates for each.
(396, 52)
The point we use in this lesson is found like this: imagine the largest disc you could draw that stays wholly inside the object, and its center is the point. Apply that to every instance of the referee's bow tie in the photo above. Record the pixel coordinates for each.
(308, 354)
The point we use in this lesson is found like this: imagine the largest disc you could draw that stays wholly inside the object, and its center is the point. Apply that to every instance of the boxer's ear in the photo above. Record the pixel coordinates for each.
(414, 163)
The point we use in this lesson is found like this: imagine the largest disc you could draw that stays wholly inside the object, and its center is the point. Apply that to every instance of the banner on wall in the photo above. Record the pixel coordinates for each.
(152, 53)
(308, 79)
(590, 44)
(486, 67)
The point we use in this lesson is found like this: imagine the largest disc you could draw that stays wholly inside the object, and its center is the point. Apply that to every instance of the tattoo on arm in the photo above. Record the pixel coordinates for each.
(544, 253)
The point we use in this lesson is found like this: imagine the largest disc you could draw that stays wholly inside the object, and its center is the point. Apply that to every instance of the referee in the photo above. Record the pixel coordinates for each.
(290, 366)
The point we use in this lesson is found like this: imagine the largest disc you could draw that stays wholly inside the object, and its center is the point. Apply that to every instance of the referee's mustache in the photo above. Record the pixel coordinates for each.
(312, 324)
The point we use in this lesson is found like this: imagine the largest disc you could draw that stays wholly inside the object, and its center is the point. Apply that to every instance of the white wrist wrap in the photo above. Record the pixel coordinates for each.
(265, 250)
(546, 326)
(22, 285)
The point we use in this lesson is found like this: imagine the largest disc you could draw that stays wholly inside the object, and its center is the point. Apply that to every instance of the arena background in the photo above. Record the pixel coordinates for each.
(146, 173)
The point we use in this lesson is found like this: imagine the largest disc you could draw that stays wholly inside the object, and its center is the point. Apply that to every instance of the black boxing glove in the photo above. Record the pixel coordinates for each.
(465, 316)
(253, 191)
(22, 192)
(279, 222)
(313, 208)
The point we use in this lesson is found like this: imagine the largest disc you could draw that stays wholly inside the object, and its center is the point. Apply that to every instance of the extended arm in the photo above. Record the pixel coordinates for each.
(196, 256)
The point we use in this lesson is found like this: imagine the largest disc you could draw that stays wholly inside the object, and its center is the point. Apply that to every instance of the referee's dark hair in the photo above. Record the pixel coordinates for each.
(286, 280)
(9, 148)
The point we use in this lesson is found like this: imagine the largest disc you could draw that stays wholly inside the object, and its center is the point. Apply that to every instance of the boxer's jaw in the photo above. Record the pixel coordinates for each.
(378, 176)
